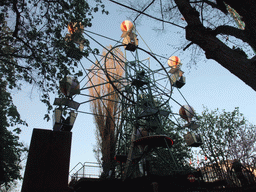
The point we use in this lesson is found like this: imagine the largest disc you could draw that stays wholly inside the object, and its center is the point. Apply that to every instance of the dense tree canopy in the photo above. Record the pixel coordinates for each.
(11, 149)
(36, 47)
(33, 43)
(227, 136)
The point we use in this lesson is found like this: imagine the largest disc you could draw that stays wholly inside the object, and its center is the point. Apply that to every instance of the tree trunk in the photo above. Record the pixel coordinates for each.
(233, 60)
(108, 145)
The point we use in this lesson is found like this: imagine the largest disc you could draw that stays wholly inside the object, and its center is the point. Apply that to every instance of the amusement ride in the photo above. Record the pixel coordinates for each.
(143, 90)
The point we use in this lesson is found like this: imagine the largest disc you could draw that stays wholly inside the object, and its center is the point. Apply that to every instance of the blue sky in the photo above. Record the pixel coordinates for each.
(208, 83)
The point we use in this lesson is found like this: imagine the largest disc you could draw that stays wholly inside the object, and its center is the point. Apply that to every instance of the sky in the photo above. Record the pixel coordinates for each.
(207, 84)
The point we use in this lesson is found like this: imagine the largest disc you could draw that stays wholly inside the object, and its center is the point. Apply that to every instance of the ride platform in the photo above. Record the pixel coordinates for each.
(154, 141)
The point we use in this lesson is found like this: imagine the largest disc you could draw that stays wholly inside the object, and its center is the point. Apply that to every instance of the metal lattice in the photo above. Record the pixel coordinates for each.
(143, 93)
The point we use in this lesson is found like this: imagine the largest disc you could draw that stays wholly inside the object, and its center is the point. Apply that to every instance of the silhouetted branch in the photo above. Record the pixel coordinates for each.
(143, 10)
(15, 33)
(150, 16)
(233, 31)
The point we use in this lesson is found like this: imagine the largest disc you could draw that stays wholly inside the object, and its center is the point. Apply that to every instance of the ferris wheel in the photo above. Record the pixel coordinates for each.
(142, 87)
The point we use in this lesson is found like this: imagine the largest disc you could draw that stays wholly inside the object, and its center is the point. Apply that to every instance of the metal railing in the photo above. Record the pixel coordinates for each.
(223, 172)
(85, 170)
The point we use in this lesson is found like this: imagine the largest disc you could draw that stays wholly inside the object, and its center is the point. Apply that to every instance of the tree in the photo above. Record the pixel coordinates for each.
(34, 48)
(180, 151)
(11, 149)
(245, 150)
(105, 108)
(39, 50)
(210, 27)
(227, 136)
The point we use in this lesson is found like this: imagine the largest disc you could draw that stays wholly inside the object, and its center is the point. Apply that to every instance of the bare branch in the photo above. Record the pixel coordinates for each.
(205, 38)
(144, 10)
(161, 7)
(218, 5)
(150, 16)
(187, 46)
(229, 30)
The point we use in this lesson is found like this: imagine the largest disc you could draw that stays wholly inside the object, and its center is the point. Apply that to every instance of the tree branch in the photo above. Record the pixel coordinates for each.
(15, 64)
(146, 14)
(15, 33)
(187, 46)
(206, 39)
(235, 32)
(218, 5)
(144, 10)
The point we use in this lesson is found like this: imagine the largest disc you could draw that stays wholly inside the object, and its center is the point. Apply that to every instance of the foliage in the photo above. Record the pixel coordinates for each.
(105, 109)
(11, 149)
(227, 136)
(34, 48)
(162, 160)
(180, 151)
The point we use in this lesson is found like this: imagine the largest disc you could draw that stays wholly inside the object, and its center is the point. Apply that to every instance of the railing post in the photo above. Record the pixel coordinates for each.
(90, 172)
(83, 170)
